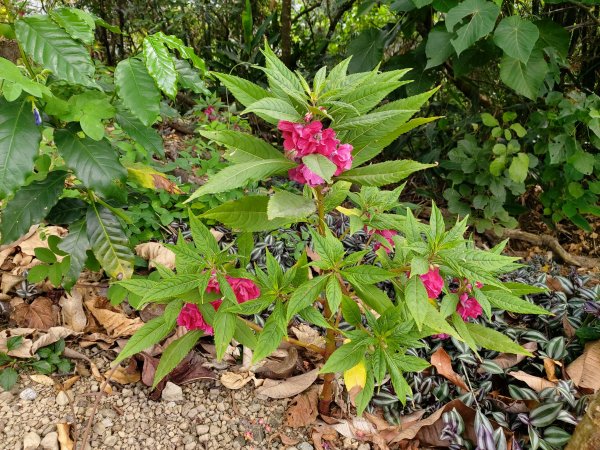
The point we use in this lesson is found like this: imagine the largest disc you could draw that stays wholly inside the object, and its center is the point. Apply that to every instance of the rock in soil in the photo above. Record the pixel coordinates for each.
(172, 393)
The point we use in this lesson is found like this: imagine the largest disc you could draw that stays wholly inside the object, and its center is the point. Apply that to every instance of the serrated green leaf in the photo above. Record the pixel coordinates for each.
(76, 22)
(374, 297)
(147, 137)
(243, 90)
(351, 311)
(224, 325)
(272, 334)
(95, 163)
(320, 165)
(19, 143)
(243, 146)
(494, 340)
(108, 242)
(30, 205)
(284, 204)
(333, 293)
(152, 332)
(136, 88)
(345, 357)
(365, 274)
(172, 287)
(305, 295)
(415, 296)
(273, 110)
(383, 173)
(160, 65)
(174, 354)
(509, 302)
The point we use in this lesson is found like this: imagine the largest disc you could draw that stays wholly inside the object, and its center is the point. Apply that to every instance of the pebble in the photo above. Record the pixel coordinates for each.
(305, 446)
(6, 397)
(62, 398)
(364, 447)
(202, 429)
(31, 441)
(111, 441)
(172, 393)
(215, 430)
(50, 441)
(28, 394)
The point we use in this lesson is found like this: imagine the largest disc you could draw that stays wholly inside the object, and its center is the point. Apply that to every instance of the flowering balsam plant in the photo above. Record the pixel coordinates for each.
(409, 281)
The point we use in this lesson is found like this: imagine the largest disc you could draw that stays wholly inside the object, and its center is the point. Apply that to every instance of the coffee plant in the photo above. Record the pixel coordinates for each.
(58, 161)
(421, 279)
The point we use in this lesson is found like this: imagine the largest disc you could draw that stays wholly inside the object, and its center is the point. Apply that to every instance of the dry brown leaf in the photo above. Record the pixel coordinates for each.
(277, 368)
(35, 240)
(9, 281)
(53, 335)
(550, 369)
(126, 375)
(156, 253)
(308, 335)
(304, 409)
(536, 383)
(73, 315)
(443, 364)
(68, 383)
(584, 370)
(507, 360)
(116, 324)
(286, 440)
(235, 380)
(288, 388)
(22, 351)
(64, 439)
(42, 379)
(39, 314)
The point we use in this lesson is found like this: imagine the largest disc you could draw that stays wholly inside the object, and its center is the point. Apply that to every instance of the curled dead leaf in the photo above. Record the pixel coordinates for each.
(42, 379)
(64, 437)
(288, 388)
(279, 368)
(126, 375)
(584, 370)
(536, 383)
(156, 253)
(73, 315)
(443, 364)
(235, 380)
(304, 409)
(116, 323)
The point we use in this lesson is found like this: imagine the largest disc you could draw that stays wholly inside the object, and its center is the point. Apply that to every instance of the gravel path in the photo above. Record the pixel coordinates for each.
(205, 417)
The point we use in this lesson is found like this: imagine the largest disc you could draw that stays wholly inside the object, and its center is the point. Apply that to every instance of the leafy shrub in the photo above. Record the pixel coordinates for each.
(422, 279)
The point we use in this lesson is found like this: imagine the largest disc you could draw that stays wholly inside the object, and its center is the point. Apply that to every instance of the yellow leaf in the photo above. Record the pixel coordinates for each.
(356, 376)
(348, 212)
(149, 178)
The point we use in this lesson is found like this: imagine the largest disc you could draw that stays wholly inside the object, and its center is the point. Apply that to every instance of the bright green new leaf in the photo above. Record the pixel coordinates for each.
(284, 204)
(160, 65)
(519, 167)
(11, 73)
(509, 302)
(516, 37)
(243, 90)
(380, 174)
(320, 165)
(243, 146)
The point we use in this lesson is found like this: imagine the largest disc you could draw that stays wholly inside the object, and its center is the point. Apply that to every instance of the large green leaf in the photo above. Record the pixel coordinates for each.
(151, 333)
(19, 143)
(415, 297)
(189, 78)
(10, 72)
(79, 24)
(172, 287)
(160, 65)
(366, 50)
(52, 47)
(246, 214)
(238, 175)
(76, 244)
(273, 110)
(494, 340)
(174, 354)
(509, 302)
(553, 35)
(320, 165)
(30, 205)
(174, 43)
(483, 14)
(94, 162)
(286, 204)
(137, 89)
(438, 48)
(243, 90)
(516, 37)
(383, 173)
(525, 79)
(224, 325)
(109, 243)
(244, 147)
(146, 136)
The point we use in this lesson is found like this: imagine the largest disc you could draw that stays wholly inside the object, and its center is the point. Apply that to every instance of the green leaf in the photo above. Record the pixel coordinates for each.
(244, 147)
(483, 16)
(367, 96)
(489, 120)
(345, 357)
(408, 363)
(415, 296)
(174, 43)
(160, 65)
(374, 297)
(174, 354)
(204, 240)
(95, 163)
(494, 340)
(137, 90)
(10, 72)
(243, 90)
(366, 50)
(320, 165)
(519, 167)
(8, 378)
(172, 287)
(45, 255)
(37, 273)
(284, 204)
(151, 333)
(224, 325)
(246, 214)
(238, 175)
(509, 302)
(108, 242)
(14, 342)
(51, 47)
(30, 205)
(383, 173)
(333, 293)
(516, 37)
(438, 48)
(147, 137)
(365, 274)
(273, 110)
(282, 81)
(554, 36)
(272, 334)
(305, 295)
(188, 77)
(76, 22)
(525, 79)
(351, 311)
(19, 143)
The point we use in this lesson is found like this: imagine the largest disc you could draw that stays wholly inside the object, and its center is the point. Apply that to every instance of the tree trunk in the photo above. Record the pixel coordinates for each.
(587, 433)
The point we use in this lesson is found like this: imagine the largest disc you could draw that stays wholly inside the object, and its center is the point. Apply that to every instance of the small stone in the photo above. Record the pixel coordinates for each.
(127, 392)
(28, 394)
(215, 430)
(31, 441)
(364, 447)
(305, 446)
(50, 441)
(111, 441)
(6, 397)
(62, 398)
(172, 393)
(190, 446)
(99, 428)
(254, 407)
(202, 429)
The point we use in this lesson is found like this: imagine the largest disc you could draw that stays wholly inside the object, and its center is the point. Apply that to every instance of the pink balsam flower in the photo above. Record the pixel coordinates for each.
(244, 289)
(388, 235)
(191, 318)
(468, 307)
(303, 175)
(433, 282)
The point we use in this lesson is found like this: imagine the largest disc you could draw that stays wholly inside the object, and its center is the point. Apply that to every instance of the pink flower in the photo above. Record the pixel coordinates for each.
(191, 318)
(433, 282)
(468, 307)
(388, 236)
(441, 336)
(244, 289)
(213, 285)
(342, 158)
(303, 175)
